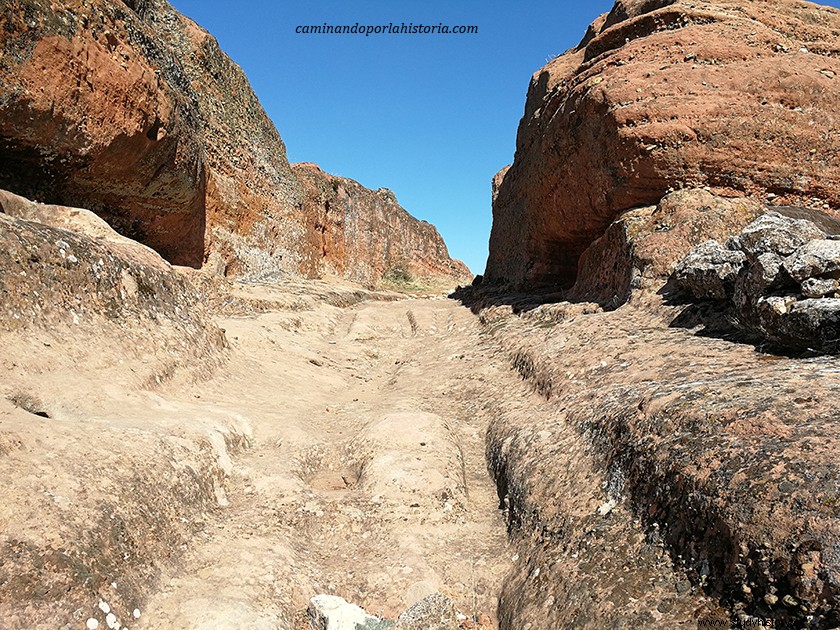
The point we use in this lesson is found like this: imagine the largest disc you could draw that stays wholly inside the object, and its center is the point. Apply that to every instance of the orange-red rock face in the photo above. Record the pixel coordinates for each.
(133, 111)
(361, 234)
(90, 115)
(665, 94)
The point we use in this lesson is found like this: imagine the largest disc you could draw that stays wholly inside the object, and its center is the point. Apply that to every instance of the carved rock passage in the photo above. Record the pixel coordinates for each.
(133, 111)
(739, 96)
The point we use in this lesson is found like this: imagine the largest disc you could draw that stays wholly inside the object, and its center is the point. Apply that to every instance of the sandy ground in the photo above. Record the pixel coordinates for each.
(366, 476)
(340, 446)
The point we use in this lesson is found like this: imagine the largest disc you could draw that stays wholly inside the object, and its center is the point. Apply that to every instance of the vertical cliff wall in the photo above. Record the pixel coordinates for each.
(133, 111)
(362, 234)
(668, 94)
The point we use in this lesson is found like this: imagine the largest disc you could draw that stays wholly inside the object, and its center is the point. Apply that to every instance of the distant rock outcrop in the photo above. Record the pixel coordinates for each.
(133, 111)
(663, 95)
(362, 235)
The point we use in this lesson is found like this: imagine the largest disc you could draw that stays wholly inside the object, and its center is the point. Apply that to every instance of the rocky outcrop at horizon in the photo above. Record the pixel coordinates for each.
(361, 234)
(739, 97)
(133, 111)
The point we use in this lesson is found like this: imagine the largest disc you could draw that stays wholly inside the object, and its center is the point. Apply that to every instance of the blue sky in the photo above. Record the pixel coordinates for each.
(431, 117)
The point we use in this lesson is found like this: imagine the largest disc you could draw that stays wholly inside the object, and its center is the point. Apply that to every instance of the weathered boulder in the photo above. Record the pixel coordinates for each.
(133, 111)
(820, 287)
(802, 324)
(817, 258)
(666, 95)
(709, 270)
(784, 287)
(763, 275)
(331, 612)
(362, 235)
(52, 277)
(83, 222)
(642, 246)
(776, 234)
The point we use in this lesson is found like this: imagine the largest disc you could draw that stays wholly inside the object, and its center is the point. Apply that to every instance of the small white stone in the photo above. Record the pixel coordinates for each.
(606, 508)
(104, 607)
(111, 620)
(92, 624)
(136, 613)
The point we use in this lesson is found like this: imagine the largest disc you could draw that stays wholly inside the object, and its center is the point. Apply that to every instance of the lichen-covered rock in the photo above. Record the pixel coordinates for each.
(801, 324)
(435, 612)
(763, 275)
(776, 234)
(815, 259)
(820, 287)
(740, 97)
(51, 277)
(83, 222)
(786, 285)
(709, 271)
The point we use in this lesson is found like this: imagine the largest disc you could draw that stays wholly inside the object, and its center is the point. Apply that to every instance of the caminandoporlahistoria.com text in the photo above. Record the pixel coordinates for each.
(385, 29)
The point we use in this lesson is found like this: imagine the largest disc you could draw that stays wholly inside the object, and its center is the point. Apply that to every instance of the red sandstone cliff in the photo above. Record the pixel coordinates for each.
(133, 111)
(667, 94)
(350, 224)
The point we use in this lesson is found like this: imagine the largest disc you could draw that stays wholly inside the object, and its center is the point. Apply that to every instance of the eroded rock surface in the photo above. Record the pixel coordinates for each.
(667, 478)
(738, 96)
(153, 463)
(95, 495)
(52, 277)
(778, 276)
(364, 235)
(131, 110)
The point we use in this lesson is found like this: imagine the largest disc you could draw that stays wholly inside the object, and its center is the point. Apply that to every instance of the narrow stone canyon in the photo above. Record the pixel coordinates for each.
(241, 393)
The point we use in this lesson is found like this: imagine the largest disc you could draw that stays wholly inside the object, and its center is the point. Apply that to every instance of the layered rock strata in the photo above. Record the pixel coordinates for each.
(364, 235)
(740, 97)
(133, 111)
